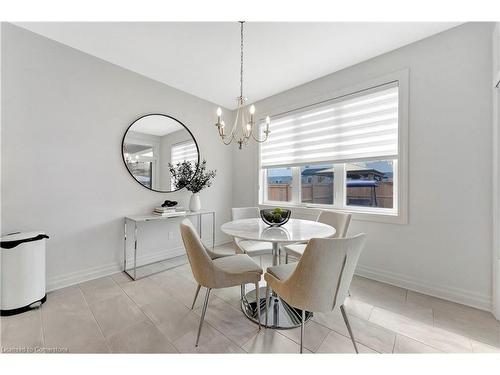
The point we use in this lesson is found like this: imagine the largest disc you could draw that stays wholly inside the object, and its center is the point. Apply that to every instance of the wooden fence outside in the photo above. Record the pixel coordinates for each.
(362, 196)
(317, 193)
(323, 194)
(279, 192)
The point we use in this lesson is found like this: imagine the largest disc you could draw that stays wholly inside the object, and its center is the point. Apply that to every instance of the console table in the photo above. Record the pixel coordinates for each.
(136, 219)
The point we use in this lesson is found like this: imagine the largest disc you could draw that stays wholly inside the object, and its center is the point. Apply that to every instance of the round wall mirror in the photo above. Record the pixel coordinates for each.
(152, 142)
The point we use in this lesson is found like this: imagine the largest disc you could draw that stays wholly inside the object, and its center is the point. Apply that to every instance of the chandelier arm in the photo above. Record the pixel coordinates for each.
(231, 139)
(260, 140)
(233, 129)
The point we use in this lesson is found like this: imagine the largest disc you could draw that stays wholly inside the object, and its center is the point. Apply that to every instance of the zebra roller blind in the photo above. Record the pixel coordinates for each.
(361, 126)
(184, 151)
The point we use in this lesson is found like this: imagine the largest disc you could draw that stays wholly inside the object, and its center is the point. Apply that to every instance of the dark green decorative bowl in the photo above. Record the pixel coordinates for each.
(275, 217)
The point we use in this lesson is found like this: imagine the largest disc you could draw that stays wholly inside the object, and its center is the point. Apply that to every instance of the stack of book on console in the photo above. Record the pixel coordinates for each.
(169, 211)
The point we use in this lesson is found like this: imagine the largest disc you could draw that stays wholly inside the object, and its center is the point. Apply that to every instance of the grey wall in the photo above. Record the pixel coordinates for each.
(63, 117)
(445, 249)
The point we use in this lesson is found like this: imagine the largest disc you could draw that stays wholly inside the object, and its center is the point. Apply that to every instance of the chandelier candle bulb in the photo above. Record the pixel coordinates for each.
(252, 111)
(219, 114)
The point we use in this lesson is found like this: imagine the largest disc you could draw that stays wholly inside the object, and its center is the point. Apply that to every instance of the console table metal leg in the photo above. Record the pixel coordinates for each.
(125, 245)
(135, 250)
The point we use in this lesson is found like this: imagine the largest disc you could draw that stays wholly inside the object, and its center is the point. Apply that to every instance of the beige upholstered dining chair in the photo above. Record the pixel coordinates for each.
(338, 220)
(320, 281)
(249, 247)
(214, 271)
(252, 248)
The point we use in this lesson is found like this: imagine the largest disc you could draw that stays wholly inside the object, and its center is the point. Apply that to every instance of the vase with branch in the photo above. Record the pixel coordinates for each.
(194, 177)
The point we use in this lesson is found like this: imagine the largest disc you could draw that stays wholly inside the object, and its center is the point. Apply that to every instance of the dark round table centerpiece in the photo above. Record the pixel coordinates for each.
(275, 217)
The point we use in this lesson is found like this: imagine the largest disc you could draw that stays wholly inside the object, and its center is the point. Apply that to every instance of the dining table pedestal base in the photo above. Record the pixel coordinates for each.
(280, 315)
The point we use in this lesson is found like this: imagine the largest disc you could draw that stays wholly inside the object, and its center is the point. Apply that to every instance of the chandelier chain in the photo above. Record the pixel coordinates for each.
(241, 59)
(243, 127)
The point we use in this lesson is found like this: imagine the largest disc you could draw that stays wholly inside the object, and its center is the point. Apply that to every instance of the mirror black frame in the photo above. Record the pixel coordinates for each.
(170, 117)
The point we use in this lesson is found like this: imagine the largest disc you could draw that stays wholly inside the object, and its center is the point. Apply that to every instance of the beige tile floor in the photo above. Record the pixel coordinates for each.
(152, 315)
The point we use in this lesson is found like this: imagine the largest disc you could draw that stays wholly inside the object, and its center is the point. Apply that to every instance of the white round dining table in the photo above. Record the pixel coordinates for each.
(280, 314)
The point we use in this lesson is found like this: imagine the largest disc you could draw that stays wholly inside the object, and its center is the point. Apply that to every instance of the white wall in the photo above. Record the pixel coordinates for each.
(495, 172)
(445, 249)
(63, 117)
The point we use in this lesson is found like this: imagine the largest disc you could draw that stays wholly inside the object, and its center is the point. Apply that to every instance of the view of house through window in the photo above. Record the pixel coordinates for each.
(370, 184)
(316, 184)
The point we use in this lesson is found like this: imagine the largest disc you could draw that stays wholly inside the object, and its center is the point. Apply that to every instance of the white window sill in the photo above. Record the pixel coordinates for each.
(358, 214)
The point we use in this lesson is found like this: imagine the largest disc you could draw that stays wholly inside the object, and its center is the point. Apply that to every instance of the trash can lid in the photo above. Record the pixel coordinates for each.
(10, 241)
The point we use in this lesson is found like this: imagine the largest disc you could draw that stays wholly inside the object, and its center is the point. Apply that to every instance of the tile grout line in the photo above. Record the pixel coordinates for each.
(394, 345)
(95, 319)
(370, 314)
(222, 333)
(355, 339)
(192, 311)
(298, 343)
(211, 325)
(322, 341)
(423, 343)
(146, 315)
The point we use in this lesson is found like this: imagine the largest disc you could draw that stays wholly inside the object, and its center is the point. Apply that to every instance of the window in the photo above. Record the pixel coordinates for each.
(316, 184)
(342, 153)
(143, 172)
(141, 162)
(180, 152)
(370, 184)
(184, 151)
(279, 184)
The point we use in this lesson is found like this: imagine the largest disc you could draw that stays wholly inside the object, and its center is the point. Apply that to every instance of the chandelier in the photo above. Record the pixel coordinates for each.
(244, 123)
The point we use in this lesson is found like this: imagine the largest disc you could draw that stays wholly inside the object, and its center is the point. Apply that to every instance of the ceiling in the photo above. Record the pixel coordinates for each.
(202, 58)
(156, 125)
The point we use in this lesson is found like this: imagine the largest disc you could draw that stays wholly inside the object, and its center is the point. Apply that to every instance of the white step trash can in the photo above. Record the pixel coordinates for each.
(22, 272)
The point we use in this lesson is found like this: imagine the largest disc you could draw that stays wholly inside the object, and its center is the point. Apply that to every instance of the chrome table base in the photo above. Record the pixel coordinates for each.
(280, 314)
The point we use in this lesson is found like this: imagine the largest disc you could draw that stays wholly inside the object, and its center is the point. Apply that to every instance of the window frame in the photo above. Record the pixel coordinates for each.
(144, 140)
(399, 213)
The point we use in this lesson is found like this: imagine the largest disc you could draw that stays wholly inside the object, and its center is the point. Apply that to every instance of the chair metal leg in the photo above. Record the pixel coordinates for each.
(257, 301)
(286, 258)
(344, 315)
(348, 292)
(302, 331)
(205, 304)
(196, 296)
(267, 301)
(242, 292)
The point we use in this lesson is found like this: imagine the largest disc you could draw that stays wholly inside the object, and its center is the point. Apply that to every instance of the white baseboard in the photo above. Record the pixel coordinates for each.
(464, 297)
(156, 256)
(175, 254)
(87, 274)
